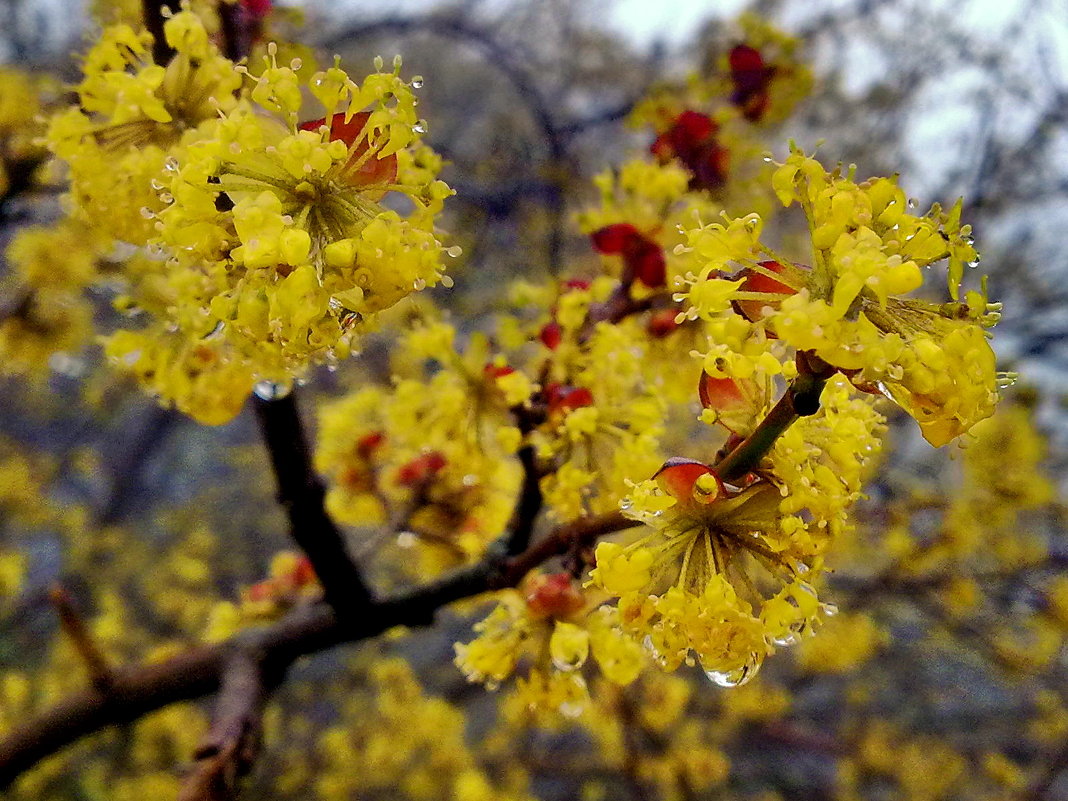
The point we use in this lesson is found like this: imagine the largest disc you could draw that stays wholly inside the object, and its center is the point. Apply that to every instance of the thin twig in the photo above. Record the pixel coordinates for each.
(74, 627)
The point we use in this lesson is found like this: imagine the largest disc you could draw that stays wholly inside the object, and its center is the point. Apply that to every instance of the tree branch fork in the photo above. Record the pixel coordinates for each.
(245, 669)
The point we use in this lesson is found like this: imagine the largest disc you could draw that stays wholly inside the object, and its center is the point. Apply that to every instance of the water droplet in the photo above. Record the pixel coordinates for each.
(147, 213)
(454, 251)
(420, 127)
(566, 665)
(829, 610)
(570, 710)
(171, 164)
(272, 390)
(419, 284)
(470, 480)
(733, 678)
(417, 82)
(447, 282)
(296, 64)
(626, 504)
(787, 639)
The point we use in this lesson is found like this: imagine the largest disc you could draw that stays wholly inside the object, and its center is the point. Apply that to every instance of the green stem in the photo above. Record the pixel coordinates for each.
(801, 399)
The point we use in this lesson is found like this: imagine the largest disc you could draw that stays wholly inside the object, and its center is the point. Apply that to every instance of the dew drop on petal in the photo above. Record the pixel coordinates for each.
(786, 640)
(566, 666)
(417, 82)
(733, 678)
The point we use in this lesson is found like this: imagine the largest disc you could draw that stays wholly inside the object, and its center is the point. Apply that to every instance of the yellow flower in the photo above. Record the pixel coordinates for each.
(133, 115)
(933, 359)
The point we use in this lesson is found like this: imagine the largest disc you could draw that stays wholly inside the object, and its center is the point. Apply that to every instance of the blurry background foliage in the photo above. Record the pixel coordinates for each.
(944, 676)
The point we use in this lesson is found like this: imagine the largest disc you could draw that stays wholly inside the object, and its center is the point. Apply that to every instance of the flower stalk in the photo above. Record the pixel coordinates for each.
(801, 399)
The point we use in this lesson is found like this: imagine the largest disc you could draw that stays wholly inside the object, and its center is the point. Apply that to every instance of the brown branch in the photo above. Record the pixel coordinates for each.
(530, 500)
(75, 629)
(153, 13)
(228, 751)
(619, 306)
(302, 494)
(233, 30)
(529, 504)
(137, 690)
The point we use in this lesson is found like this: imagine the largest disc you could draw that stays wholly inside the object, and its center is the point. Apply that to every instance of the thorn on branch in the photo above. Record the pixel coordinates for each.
(73, 626)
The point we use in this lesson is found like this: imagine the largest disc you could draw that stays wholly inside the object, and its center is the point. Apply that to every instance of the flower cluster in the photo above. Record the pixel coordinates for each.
(20, 103)
(273, 240)
(49, 315)
(729, 571)
(433, 457)
(549, 623)
(393, 737)
(868, 250)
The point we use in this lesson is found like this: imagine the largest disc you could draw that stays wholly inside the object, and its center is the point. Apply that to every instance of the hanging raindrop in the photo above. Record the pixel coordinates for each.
(272, 390)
